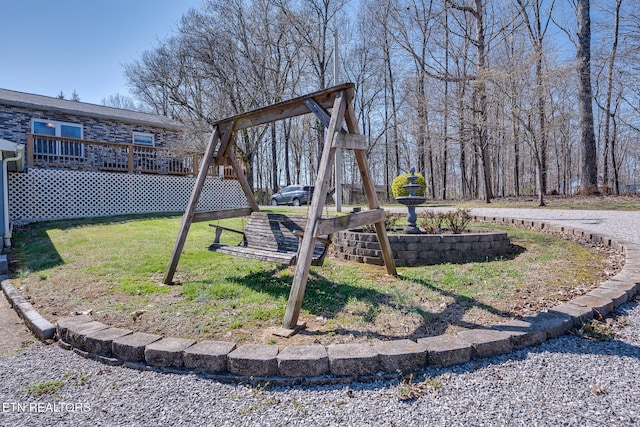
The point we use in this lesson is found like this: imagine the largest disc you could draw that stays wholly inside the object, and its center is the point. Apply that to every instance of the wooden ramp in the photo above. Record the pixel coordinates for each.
(338, 100)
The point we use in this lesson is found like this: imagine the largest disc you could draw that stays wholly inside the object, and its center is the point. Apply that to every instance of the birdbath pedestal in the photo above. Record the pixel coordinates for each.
(411, 201)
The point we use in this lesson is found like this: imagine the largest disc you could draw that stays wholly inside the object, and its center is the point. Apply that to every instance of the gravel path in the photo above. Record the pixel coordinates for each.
(620, 224)
(565, 381)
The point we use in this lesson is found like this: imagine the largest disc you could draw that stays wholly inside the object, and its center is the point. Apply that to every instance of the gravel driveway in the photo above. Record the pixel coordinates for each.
(564, 381)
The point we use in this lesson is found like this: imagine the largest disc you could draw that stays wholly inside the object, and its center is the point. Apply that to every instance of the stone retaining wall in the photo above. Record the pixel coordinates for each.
(421, 249)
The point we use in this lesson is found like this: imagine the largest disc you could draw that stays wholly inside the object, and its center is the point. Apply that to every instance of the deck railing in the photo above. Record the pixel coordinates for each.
(54, 151)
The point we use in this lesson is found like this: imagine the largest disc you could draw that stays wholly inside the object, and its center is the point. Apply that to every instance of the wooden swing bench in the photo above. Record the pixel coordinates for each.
(272, 237)
(276, 237)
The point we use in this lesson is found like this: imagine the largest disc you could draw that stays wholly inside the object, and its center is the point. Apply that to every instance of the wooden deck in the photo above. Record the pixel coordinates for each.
(57, 152)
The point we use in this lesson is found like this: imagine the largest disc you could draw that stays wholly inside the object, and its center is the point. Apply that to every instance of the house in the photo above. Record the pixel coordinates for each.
(632, 188)
(22, 113)
(78, 160)
(61, 123)
(354, 193)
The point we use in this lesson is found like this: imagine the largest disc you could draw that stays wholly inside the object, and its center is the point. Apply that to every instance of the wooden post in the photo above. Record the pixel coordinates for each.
(130, 157)
(317, 203)
(372, 197)
(187, 218)
(351, 141)
(195, 164)
(242, 179)
(29, 149)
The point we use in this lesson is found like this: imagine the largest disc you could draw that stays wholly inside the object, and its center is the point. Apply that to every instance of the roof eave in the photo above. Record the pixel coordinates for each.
(164, 125)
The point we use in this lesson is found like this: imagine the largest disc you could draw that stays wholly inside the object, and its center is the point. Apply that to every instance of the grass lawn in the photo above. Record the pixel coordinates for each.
(113, 269)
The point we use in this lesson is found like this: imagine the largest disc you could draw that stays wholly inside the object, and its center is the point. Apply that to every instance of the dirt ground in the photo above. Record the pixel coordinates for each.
(15, 335)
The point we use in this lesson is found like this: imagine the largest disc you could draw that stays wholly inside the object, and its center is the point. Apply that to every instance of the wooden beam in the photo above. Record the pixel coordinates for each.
(225, 143)
(372, 197)
(223, 214)
(287, 109)
(347, 141)
(306, 248)
(346, 222)
(350, 141)
(318, 111)
(190, 211)
(242, 179)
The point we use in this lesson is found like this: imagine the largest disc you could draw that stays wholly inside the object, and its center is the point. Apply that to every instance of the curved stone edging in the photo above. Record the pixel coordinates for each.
(39, 326)
(339, 363)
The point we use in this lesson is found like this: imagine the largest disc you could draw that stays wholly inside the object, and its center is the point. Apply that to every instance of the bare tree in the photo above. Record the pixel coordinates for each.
(419, 67)
(589, 176)
(609, 138)
(531, 11)
(477, 11)
(311, 23)
(380, 33)
(123, 102)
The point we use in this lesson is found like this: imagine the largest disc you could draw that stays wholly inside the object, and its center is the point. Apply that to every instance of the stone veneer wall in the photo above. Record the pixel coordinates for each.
(15, 123)
(51, 194)
(421, 249)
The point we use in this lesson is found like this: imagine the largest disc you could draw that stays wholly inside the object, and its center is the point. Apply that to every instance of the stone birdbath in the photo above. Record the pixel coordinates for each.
(411, 201)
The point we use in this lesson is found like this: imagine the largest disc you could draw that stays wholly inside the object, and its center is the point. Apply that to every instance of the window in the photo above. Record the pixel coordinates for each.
(53, 128)
(55, 147)
(141, 138)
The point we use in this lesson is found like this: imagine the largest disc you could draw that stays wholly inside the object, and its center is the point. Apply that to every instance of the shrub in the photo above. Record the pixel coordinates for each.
(589, 190)
(399, 181)
(389, 223)
(430, 221)
(455, 221)
(458, 220)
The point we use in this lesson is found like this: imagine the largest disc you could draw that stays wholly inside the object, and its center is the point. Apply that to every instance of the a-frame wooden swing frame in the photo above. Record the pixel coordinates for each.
(220, 148)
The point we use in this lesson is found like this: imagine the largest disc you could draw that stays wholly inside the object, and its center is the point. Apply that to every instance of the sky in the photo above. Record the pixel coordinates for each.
(50, 46)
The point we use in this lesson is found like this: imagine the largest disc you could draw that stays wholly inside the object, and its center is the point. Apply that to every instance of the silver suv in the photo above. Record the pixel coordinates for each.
(295, 195)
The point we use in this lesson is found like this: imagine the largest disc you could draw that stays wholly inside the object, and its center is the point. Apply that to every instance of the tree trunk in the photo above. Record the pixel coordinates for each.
(481, 89)
(287, 145)
(614, 159)
(516, 157)
(445, 118)
(589, 184)
(387, 159)
(464, 178)
(274, 158)
(394, 117)
(422, 127)
(607, 106)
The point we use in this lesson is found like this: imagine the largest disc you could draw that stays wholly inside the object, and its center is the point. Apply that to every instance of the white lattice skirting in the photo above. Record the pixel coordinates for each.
(49, 194)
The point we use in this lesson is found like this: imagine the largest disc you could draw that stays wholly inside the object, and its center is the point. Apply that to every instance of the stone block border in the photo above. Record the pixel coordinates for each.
(338, 363)
(421, 249)
(39, 326)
